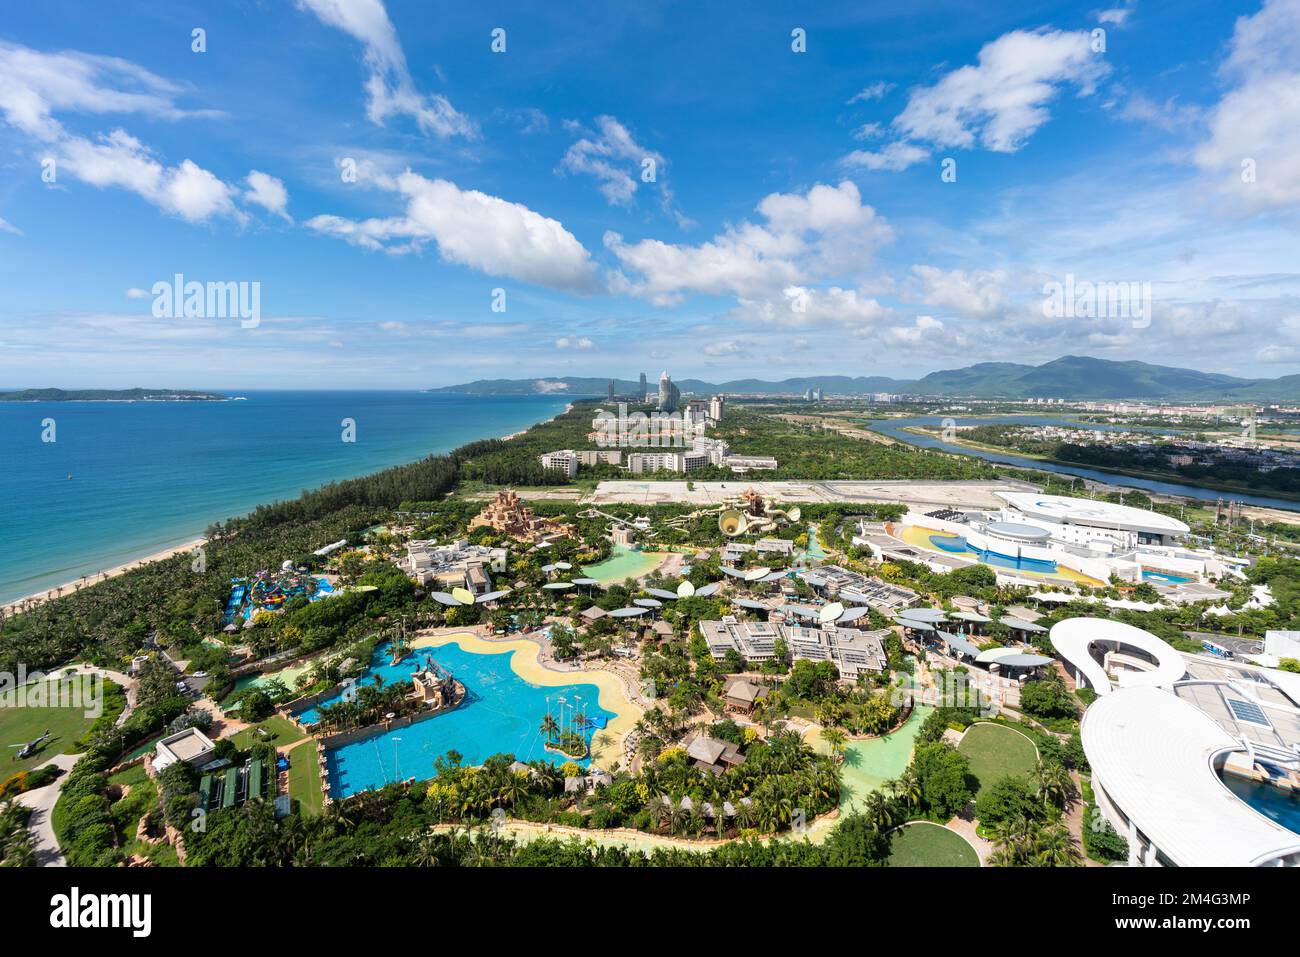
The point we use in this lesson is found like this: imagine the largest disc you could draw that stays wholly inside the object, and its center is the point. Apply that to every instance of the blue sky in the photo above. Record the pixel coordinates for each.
(797, 221)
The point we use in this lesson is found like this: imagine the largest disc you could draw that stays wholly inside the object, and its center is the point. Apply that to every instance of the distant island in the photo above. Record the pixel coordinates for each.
(1069, 377)
(111, 395)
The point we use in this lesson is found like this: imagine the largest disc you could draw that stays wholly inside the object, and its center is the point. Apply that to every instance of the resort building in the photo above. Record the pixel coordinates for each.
(191, 746)
(563, 461)
(710, 754)
(854, 653)
(683, 462)
(844, 585)
(741, 695)
(1187, 751)
(717, 408)
(451, 565)
(670, 396)
(750, 463)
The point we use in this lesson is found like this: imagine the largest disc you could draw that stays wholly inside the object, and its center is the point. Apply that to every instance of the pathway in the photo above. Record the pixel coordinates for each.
(39, 825)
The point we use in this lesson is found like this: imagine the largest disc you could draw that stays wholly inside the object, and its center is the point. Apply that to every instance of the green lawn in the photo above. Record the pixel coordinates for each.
(304, 779)
(20, 725)
(995, 751)
(282, 733)
(922, 844)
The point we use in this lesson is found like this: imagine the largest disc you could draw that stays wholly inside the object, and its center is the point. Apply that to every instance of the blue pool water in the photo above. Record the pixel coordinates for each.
(1164, 578)
(1272, 802)
(502, 714)
(959, 546)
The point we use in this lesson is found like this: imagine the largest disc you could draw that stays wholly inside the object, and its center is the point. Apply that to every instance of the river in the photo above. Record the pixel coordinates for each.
(894, 428)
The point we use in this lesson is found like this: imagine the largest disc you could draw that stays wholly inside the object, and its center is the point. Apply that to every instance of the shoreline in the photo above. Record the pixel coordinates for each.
(57, 591)
(34, 599)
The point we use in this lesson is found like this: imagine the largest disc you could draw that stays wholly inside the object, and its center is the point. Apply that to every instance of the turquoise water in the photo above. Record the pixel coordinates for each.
(1270, 801)
(502, 714)
(623, 563)
(151, 475)
(1164, 579)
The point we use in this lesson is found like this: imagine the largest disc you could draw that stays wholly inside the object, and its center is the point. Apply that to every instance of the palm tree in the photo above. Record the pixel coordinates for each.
(879, 811)
(835, 739)
(550, 727)
(1054, 847)
(1054, 784)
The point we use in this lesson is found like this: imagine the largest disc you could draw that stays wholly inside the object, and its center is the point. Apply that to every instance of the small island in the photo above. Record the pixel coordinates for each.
(111, 395)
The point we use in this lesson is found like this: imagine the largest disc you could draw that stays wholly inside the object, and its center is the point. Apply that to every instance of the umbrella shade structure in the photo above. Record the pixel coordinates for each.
(563, 566)
(444, 598)
(958, 643)
(994, 654)
(585, 582)
(704, 591)
(853, 614)
(757, 574)
(733, 572)
(1024, 661)
(927, 614)
(463, 595)
(628, 612)
(1015, 624)
(663, 593)
(647, 602)
(830, 613)
(773, 576)
(557, 586)
(915, 625)
(750, 604)
(685, 590)
(970, 616)
(492, 596)
(549, 568)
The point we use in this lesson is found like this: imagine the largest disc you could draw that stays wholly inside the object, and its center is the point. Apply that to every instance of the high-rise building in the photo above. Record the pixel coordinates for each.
(717, 406)
(643, 387)
(809, 396)
(610, 394)
(669, 395)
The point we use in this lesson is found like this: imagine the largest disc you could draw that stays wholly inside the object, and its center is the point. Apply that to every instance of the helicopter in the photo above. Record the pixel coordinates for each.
(30, 748)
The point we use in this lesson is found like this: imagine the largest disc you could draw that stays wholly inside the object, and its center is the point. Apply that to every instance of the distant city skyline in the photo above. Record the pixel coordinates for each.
(842, 192)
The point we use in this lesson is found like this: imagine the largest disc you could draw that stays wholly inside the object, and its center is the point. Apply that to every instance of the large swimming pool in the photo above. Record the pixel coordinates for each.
(502, 714)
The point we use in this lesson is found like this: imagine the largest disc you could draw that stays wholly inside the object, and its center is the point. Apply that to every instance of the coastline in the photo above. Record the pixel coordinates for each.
(27, 602)
(194, 538)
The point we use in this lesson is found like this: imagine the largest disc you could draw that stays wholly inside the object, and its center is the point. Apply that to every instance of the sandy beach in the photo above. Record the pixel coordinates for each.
(524, 661)
(31, 601)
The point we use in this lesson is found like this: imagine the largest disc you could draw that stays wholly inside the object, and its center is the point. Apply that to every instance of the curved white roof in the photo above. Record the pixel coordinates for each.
(1153, 754)
(1085, 511)
(1073, 637)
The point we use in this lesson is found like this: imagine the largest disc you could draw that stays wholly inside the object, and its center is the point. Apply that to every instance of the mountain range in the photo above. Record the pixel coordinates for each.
(1069, 377)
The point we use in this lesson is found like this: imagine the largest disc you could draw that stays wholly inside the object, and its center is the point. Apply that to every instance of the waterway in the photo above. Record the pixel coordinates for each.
(895, 429)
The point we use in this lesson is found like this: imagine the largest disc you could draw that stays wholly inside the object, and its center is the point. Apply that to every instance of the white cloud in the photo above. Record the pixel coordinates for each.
(618, 162)
(806, 235)
(1115, 17)
(977, 294)
(269, 193)
(895, 156)
(924, 330)
(135, 292)
(1256, 124)
(8, 227)
(580, 342)
(34, 86)
(802, 307)
(471, 228)
(390, 91)
(997, 103)
(876, 91)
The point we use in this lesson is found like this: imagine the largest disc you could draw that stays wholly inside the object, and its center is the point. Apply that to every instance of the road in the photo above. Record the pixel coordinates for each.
(39, 825)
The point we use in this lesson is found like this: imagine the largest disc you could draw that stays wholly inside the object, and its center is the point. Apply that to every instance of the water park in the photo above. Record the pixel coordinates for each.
(270, 590)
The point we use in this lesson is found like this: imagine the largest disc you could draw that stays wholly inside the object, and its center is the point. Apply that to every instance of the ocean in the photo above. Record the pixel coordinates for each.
(123, 480)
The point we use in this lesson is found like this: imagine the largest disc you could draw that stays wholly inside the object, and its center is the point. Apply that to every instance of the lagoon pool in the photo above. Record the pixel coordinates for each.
(624, 563)
(502, 714)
